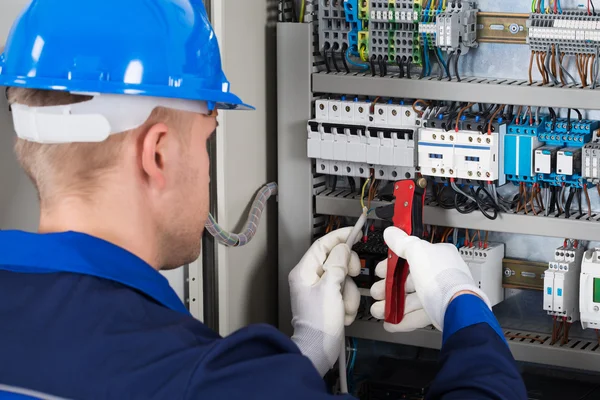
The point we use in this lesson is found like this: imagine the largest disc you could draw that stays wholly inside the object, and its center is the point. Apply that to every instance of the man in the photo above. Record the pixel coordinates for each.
(113, 103)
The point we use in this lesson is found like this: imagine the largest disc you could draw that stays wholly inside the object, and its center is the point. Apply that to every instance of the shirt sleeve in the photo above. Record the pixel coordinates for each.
(257, 362)
(475, 361)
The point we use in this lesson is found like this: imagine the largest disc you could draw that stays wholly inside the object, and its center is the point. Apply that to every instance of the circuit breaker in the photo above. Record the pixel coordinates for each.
(354, 137)
(561, 283)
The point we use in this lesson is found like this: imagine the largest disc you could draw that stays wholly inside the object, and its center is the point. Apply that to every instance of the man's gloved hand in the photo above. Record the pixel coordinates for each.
(437, 274)
(324, 298)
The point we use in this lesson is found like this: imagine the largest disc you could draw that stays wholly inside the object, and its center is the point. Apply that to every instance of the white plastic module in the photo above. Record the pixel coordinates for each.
(589, 290)
(486, 268)
(568, 161)
(561, 284)
(545, 159)
(463, 154)
(347, 140)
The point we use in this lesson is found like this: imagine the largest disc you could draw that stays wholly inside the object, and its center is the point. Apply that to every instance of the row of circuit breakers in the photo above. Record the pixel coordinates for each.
(354, 138)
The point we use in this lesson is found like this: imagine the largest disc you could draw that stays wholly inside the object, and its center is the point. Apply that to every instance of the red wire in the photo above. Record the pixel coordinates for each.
(589, 12)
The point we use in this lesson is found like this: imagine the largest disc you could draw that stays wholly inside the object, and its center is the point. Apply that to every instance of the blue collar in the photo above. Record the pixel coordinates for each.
(86, 255)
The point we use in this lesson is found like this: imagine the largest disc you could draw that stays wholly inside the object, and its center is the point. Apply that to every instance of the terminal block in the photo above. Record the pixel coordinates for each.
(561, 283)
(392, 11)
(455, 28)
(590, 160)
(462, 154)
(388, 40)
(589, 290)
(574, 32)
(347, 139)
(334, 28)
(485, 264)
(560, 161)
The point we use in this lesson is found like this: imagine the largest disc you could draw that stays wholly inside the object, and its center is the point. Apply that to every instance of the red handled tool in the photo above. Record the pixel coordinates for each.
(406, 214)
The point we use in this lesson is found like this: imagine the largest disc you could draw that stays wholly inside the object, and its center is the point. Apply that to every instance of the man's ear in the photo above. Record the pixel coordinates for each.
(158, 148)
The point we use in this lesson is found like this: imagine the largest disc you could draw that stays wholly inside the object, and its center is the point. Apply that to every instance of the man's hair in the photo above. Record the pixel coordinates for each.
(75, 168)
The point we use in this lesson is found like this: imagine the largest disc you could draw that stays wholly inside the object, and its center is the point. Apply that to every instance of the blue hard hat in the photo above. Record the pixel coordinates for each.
(160, 48)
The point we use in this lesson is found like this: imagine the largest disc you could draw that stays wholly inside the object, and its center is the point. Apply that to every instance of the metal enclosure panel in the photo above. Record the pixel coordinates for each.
(246, 157)
(294, 51)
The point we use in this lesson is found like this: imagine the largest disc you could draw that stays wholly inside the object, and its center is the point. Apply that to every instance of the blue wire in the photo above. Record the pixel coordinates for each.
(542, 6)
(426, 55)
(439, 52)
(559, 7)
(354, 63)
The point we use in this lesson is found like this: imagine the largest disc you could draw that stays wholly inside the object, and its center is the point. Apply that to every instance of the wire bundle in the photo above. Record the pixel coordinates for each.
(241, 239)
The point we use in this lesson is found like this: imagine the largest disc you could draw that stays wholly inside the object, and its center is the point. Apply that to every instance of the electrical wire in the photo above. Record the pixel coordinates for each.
(364, 67)
(460, 113)
(302, 10)
(531, 68)
(362, 194)
(345, 63)
(456, 64)
(493, 118)
(444, 63)
(258, 206)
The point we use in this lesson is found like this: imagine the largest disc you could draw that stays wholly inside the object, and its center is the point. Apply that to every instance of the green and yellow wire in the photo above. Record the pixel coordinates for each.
(362, 195)
(302, 10)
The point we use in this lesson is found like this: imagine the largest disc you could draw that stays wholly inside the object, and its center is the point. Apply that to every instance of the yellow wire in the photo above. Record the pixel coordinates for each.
(302, 10)
(362, 195)
(363, 51)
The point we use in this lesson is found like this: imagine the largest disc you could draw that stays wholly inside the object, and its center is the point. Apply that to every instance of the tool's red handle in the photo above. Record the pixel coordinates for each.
(397, 270)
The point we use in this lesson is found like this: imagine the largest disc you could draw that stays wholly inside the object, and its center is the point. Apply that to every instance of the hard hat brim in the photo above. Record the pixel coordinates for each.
(220, 100)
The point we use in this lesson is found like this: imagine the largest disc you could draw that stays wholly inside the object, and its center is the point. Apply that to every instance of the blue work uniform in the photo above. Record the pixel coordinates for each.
(82, 318)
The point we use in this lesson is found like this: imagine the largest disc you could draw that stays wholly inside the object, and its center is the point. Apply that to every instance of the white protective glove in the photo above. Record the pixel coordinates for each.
(319, 307)
(437, 274)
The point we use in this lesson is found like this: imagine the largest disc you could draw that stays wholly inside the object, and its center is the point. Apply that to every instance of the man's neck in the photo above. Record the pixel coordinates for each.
(115, 223)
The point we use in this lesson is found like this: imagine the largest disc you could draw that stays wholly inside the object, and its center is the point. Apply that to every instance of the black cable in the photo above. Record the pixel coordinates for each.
(382, 67)
(400, 66)
(593, 8)
(579, 115)
(408, 66)
(485, 206)
(553, 204)
(352, 184)
(343, 54)
(372, 62)
(326, 62)
(579, 201)
(456, 64)
(449, 63)
(568, 204)
(569, 120)
(333, 182)
(553, 115)
(337, 69)
(469, 205)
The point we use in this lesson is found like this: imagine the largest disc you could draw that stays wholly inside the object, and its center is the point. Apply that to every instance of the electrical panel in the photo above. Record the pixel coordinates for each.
(438, 92)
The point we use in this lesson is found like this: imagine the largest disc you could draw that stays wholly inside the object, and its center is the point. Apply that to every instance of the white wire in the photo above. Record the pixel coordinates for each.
(352, 238)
